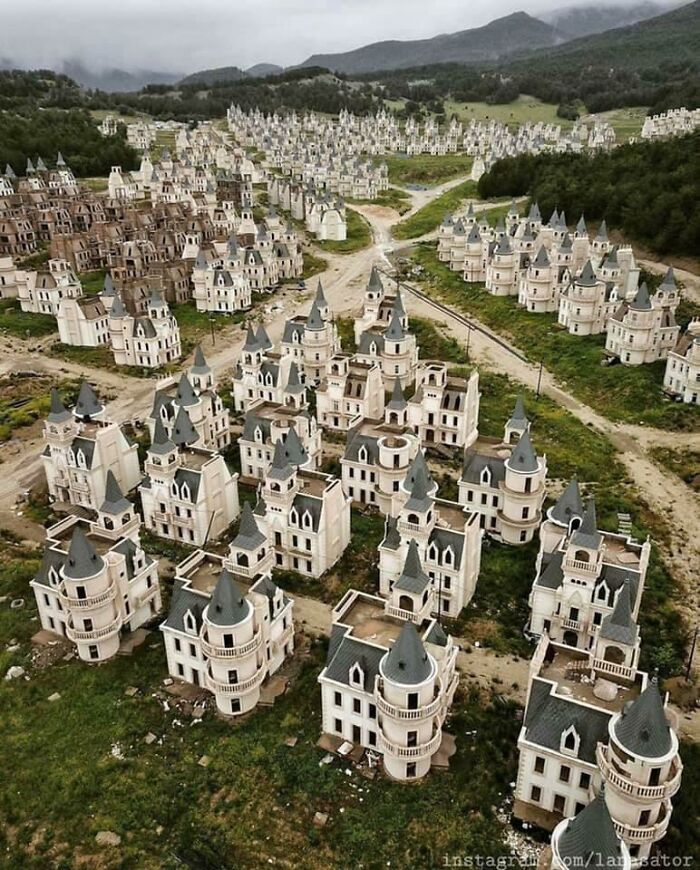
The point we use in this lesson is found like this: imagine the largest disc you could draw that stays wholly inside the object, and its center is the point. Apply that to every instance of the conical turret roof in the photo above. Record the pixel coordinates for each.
(407, 662)
(199, 367)
(114, 502)
(160, 443)
(394, 332)
(375, 281)
(87, 405)
(320, 299)
(643, 729)
(251, 343)
(58, 412)
(524, 456)
(587, 278)
(398, 400)
(314, 320)
(249, 536)
(619, 625)
(228, 605)
(413, 578)
(185, 395)
(262, 338)
(568, 505)
(587, 534)
(641, 301)
(294, 384)
(590, 840)
(184, 432)
(82, 560)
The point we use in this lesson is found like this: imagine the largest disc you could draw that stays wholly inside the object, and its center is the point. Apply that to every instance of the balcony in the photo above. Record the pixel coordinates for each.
(420, 751)
(408, 528)
(573, 624)
(71, 603)
(578, 565)
(229, 652)
(145, 597)
(234, 688)
(405, 615)
(632, 834)
(79, 635)
(424, 712)
(613, 670)
(664, 791)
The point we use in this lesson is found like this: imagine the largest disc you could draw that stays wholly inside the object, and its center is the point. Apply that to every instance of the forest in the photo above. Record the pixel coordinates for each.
(647, 190)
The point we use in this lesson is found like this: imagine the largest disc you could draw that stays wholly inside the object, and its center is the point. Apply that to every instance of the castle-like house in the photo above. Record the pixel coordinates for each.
(645, 329)
(264, 426)
(504, 482)
(311, 341)
(188, 494)
(263, 376)
(350, 391)
(378, 456)
(581, 572)
(149, 341)
(305, 515)
(95, 581)
(444, 409)
(387, 685)
(221, 285)
(196, 393)
(447, 541)
(682, 376)
(82, 448)
(228, 631)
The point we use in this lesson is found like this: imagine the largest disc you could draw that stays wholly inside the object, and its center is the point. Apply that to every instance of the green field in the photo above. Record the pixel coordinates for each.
(429, 218)
(426, 169)
(626, 122)
(359, 236)
(21, 324)
(684, 463)
(394, 197)
(25, 398)
(630, 394)
(523, 109)
(313, 265)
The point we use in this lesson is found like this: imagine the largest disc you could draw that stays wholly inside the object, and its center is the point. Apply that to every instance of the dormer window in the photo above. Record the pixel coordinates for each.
(486, 476)
(362, 454)
(174, 489)
(53, 576)
(293, 517)
(570, 742)
(448, 556)
(306, 520)
(357, 676)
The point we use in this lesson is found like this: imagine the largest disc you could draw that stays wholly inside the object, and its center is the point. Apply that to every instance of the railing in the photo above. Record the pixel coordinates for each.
(228, 652)
(406, 615)
(404, 713)
(161, 516)
(419, 751)
(76, 635)
(613, 669)
(405, 526)
(90, 601)
(643, 834)
(648, 792)
(573, 624)
(147, 596)
(234, 688)
(579, 565)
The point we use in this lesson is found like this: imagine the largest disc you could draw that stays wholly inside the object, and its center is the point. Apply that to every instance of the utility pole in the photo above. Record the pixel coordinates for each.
(691, 656)
(211, 329)
(539, 380)
(469, 335)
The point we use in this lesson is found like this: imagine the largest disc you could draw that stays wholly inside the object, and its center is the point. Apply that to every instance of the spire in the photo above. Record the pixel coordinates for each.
(58, 413)
(82, 560)
(602, 232)
(541, 260)
(587, 534)
(88, 405)
(568, 505)
(587, 278)
(232, 247)
(619, 625)
(398, 303)
(114, 502)
(199, 366)
(320, 299)
(184, 432)
(249, 536)
(407, 661)
(524, 456)
(394, 332)
(413, 578)
(185, 395)
(669, 282)
(160, 443)
(281, 467)
(294, 384)
(581, 228)
(228, 605)
(398, 400)
(117, 310)
(251, 342)
(262, 338)
(590, 840)
(641, 301)
(314, 320)
(419, 484)
(108, 286)
(642, 729)
(156, 299)
(59, 160)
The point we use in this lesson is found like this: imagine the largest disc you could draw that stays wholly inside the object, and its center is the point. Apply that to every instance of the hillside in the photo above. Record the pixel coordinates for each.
(214, 76)
(500, 38)
(579, 21)
(264, 69)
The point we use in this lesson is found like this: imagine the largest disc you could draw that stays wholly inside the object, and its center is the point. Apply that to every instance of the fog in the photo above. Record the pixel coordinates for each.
(180, 36)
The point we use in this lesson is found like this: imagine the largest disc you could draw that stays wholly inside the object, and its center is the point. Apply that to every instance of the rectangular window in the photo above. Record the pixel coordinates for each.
(535, 793)
(356, 705)
(564, 773)
(539, 764)
(338, 699)
(584, 780)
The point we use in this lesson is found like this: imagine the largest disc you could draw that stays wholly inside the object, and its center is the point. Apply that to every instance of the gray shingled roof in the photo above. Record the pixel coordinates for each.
(314, 320)
(641, 301)
(263, 338)
(82, 560)
(185, 599)
(394, 331)
(58, 412)
(643, 728)
(413, 578)
(344, 652)
(320, 299)
(114, 502)
(518, 419)
(587, 534)
(541, 260)
(367, 339)
(294, 384)
(475, 463)
(251, 343)
(398, 400)
(87, 405)
(86, 446)
(587, 278)
(183, 431)
(249, 536)
(568, 504)
(589, 840)
(524, 456)
(419, 483)
(160, 443)
(281, 467)
(228, 605)
(407, 662)
(312, 505)
(619, 625)
(199, 366)
(185, 394)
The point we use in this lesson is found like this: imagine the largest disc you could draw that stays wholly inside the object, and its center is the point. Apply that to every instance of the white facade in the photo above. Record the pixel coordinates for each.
(150, 341)
(682, 376)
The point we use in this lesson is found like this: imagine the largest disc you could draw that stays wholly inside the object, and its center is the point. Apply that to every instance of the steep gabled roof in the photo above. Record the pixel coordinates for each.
(413, 578)
(114, 502)
(619, 625)
(249, 536)
(58, 412)
(398, 400)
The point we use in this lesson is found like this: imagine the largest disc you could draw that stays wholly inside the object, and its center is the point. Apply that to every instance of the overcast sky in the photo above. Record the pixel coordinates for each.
(188, 35)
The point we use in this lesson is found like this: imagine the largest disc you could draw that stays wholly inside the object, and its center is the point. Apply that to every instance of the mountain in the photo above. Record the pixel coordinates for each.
(264, 69)
(584, 20)
(672, 38)
(498, 39)
(214, 76)
(115, 79)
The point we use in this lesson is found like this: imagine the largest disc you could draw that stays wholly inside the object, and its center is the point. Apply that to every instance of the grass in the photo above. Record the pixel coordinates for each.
(313, 265)
(103, 358)
(92, 282)
(21, 324)
(25, 398)
(359, 236)
(428, 218)
(427, 169)
(622, 393)
(394, 197)
(195, 325)
(626, 122)
(684, 463)
(525, 108)
(97, 184)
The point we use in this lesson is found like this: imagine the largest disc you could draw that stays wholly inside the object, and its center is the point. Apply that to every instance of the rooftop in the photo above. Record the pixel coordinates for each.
(313, 482)
(64, 532)
(196, 458)
(561, 670)
(493, 447)
(620, 551)
(365, 615)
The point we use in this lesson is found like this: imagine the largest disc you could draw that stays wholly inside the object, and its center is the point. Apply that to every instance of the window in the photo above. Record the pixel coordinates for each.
(372, 738)
(559, 804)
(372, 711)
(338, 726)
(584, 780)
(235, 705)
(539, 764)
(356, 705)
(338, 699)
(535, 794)
(178, 645)
(94, 651)
(410, 770)
(564, 773)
